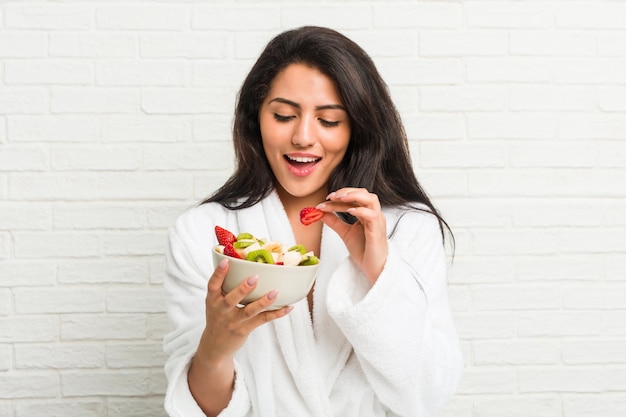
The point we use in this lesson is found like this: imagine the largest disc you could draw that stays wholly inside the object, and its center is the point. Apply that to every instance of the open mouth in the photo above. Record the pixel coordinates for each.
(301, 165)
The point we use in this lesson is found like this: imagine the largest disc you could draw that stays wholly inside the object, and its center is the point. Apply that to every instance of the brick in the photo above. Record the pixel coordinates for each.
(526, 126)
(217, 99)
(28, 385)
(6, 360)
(459, 298)
(471, 269)
(111, 270)
(211, 155)
(592, 240)
(615, 267)
(560, 267)
(602, 15)
(142, 73)
(23, 273)
(103, 327)
(611, 154)
(612, 43)
(590, 71)
(515, 241)
(5, 245)
(544, 379)
(462, 98)
(60, 408)
(46, 128)
(471, 326)
(24, 216)
(163, 216)
(14, 329)
(514, 297)
(435, 126)
(444, 183)
(94, 100)
(140, 128)
(342, 16)
(552, 98)
(48, 71)
(420, 71)
(518, 406)
(605, 405)
(96, 157)
(558, 323)
(51, 186)
(49, 16)
(556, 213)
(138, 17)
(93, 45)
(134, 243)
(230, 18)
(594, 297)
(516, 352)
(213, 128)
(157, 271)
(144, 355)
(118, 383)
(6, 304)
(186, 45)
(135, 407)
(475, 212)
(605, 351)
(463, 43)
(553, 154)
(59, 356)
(58, 300)
(207, 73)
(21, 158)
(22, 45)
(509, 70)
(82, 216)
(136, 300)
(492, 14)
(612, 98)
(56, 244)
(615, 378)
(431, 15)
(23, 100)
(487, 381)
(158, 326)
(462, 154)
(552, 43)
(592, 126)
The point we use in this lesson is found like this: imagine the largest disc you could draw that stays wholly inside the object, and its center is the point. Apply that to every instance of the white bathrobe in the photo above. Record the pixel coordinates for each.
(388, 350)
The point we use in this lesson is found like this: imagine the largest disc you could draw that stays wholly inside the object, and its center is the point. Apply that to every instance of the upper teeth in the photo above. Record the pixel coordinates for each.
(302, 158)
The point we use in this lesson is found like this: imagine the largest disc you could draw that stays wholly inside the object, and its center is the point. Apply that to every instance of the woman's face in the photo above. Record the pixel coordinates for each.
(305, 130)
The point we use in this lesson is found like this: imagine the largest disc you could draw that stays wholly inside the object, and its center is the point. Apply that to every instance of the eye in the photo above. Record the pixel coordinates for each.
(281, 118)
(328, 123)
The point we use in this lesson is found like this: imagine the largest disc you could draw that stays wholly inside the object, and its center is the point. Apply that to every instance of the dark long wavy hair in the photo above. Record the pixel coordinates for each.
(377, 157)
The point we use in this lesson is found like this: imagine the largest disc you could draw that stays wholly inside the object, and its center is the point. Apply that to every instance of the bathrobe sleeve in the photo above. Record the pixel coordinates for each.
(188, 268)
(401, 328)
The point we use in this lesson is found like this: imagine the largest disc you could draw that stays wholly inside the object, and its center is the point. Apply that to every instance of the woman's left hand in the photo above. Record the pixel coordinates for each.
(366, 239)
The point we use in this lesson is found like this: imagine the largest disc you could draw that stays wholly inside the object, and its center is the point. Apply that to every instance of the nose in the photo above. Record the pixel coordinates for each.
(304, 134)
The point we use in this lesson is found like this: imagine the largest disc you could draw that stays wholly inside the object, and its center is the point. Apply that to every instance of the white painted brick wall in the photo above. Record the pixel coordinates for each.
(115, 116)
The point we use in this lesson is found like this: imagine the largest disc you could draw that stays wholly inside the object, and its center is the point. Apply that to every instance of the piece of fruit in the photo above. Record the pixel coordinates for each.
(229, 250)
(298, 248)
(311, 260)
(310, 215)
(261, 255)
(224, 237)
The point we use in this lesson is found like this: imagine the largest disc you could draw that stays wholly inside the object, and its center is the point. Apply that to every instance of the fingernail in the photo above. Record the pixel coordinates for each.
(350, 210)
(331, 195)
(320, 206)
(272, 295)
(222, 264)
(252, 280)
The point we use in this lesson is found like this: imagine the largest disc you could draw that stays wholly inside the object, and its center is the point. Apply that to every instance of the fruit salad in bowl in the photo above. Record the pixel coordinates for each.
(289, 269)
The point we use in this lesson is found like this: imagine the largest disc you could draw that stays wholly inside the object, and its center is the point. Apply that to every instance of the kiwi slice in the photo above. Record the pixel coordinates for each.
(261, 255)
(298, 248)
(311, 260)
(244, 236)
(241, 244)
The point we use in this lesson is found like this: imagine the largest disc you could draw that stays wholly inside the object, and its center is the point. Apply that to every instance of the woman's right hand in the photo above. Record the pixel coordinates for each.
(212, 372)
(227, 323)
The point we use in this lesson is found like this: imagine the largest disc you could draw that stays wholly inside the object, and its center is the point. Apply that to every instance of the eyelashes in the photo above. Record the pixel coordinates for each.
(323, 122)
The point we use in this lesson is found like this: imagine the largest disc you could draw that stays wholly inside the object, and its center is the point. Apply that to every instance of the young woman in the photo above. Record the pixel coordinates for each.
(315, 126)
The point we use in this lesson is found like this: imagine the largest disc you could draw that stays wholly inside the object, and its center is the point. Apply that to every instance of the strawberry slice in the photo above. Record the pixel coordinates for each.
(310, 215)
(224, 237)
(229, 250)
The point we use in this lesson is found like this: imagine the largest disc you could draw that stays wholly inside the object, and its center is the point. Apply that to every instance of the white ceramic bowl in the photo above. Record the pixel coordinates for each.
(292, 282)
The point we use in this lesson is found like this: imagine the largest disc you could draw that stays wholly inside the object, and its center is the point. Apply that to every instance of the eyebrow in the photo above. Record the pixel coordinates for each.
(296, 105)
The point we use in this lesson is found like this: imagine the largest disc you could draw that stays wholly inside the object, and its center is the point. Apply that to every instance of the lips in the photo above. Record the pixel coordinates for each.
(301, 164)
